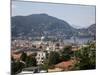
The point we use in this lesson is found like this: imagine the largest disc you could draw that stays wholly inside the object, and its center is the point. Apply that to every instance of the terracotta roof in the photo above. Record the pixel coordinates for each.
(65, 64)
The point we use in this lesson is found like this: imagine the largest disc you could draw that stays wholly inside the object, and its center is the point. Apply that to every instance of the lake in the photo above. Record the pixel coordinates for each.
(78, 40)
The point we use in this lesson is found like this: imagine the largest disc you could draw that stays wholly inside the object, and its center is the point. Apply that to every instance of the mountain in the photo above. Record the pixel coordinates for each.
(92, 29)
(37, 25)
(87, 32)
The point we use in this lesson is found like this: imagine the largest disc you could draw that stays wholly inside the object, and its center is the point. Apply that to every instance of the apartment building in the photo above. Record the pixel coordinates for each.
(41, 56)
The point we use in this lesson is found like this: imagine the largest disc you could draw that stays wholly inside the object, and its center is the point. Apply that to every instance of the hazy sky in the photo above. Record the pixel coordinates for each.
(76, 15)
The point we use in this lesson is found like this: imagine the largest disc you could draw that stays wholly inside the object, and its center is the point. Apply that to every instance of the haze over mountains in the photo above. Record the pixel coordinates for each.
(44, 25)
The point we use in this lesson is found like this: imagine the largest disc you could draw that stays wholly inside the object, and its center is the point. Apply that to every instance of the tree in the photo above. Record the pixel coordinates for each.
(87, 58)
(12, 59)
(16, 67)
(65, 57)
(31, 61)
(23, 56)
(66, 53)
(54, 58)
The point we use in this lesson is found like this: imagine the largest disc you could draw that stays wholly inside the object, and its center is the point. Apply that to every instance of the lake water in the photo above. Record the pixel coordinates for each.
(78, 40)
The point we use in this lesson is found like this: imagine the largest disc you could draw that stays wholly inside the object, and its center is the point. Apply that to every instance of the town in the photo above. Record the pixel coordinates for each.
(45, 56)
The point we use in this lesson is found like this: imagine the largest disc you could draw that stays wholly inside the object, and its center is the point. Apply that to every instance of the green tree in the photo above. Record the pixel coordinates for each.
(16, 67)
(31, 61)
(87, 57)
(66, 53)
(23, 56)
(12, 59)
(54, 58)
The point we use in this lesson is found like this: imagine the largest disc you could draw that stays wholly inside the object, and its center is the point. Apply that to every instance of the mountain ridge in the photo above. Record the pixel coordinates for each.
(43, 24)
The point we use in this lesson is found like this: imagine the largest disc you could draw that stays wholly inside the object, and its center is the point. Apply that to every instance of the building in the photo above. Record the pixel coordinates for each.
(40, 57)
(66, 65)
(16, 55)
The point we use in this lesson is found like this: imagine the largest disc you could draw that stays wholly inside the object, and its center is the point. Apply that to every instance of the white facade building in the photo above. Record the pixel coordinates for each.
(41, 56)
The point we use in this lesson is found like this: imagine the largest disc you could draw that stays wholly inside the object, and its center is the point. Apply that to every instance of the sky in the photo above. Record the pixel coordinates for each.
(78, 16)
